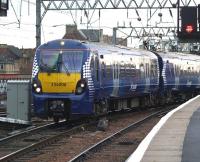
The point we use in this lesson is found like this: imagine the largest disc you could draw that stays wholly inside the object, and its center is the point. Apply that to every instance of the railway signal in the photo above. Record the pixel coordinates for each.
(189, 17)
(189, 29)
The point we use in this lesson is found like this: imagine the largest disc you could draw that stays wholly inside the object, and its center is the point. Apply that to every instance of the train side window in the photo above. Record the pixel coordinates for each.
(177, 70)
(122, 67)
(96, 62)
(153, 70)
(125, 69)
(108, 70)
(181, 72)
(133, 70)
(142, 70)
(103, 68)
(172, 69)
(189, 71)
(147, 69)
(129, 69)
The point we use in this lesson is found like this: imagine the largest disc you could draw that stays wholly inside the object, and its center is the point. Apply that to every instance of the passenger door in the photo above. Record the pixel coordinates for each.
(116, 71)
(96, 74)
(102, 72)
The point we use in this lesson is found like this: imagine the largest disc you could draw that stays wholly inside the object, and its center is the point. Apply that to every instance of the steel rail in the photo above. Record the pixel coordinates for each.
(37, 145)
(66, 133)
(26, 132)
(83, 155)
(41, 144)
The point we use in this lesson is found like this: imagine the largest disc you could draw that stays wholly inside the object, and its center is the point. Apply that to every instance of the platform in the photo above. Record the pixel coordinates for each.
(176, 137)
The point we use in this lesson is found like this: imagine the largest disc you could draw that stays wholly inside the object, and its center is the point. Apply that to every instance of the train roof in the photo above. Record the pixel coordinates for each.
(108, 49)
(102, 48)
(179, 56)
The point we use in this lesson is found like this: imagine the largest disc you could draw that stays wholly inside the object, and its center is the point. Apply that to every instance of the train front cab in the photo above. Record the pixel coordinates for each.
(59, 89)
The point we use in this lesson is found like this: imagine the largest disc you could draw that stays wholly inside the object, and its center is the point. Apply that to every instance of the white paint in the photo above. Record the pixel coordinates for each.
(16, 121)
(3, 84)
(139, 152)
(176, 82)
(133, 87)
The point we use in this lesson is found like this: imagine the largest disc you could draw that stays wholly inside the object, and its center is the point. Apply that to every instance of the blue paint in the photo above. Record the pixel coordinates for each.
(118, 72)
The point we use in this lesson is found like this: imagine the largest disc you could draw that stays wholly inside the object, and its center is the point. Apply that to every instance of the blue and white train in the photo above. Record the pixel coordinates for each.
(73, 78)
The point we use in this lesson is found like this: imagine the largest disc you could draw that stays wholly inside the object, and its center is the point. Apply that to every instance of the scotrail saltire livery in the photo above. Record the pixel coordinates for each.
(73, 79)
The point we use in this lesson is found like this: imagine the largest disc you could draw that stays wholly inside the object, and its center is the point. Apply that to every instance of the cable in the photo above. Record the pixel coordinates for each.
(43, 32)
(14, 12)
(20, 15)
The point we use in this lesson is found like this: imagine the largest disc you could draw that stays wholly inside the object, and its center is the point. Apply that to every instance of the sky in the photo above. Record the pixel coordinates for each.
(18, 27)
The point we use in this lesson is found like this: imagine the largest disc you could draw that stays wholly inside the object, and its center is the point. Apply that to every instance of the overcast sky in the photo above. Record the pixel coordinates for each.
(18, 28)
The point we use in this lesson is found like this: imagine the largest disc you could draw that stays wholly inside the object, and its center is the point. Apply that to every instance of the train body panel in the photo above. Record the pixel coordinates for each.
(76, 104)
(181, 72)
(126, 72)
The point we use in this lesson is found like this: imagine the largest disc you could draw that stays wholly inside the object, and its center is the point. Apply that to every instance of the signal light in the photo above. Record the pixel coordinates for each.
(189, 19)
(189, 28)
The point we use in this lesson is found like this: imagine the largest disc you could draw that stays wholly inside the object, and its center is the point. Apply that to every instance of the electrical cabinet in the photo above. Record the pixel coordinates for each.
(18, 99)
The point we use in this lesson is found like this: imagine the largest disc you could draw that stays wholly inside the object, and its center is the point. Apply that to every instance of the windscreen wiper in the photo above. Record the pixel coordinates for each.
(60, 62)
(66, 69)
(45, 67)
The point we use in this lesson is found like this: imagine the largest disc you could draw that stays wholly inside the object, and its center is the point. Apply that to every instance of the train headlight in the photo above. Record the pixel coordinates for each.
(79, 90)
(81, 86)
(36, 86)
(38, 90)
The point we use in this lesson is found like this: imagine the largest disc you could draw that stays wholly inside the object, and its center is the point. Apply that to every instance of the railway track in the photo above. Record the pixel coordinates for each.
(18, 144)
(118, 146)
(33, 146)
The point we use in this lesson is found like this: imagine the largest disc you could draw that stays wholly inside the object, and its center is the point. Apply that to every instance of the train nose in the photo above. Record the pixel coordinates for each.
(59, 82)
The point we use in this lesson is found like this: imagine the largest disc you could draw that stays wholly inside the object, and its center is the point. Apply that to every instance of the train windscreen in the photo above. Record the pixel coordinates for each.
(61, 61)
